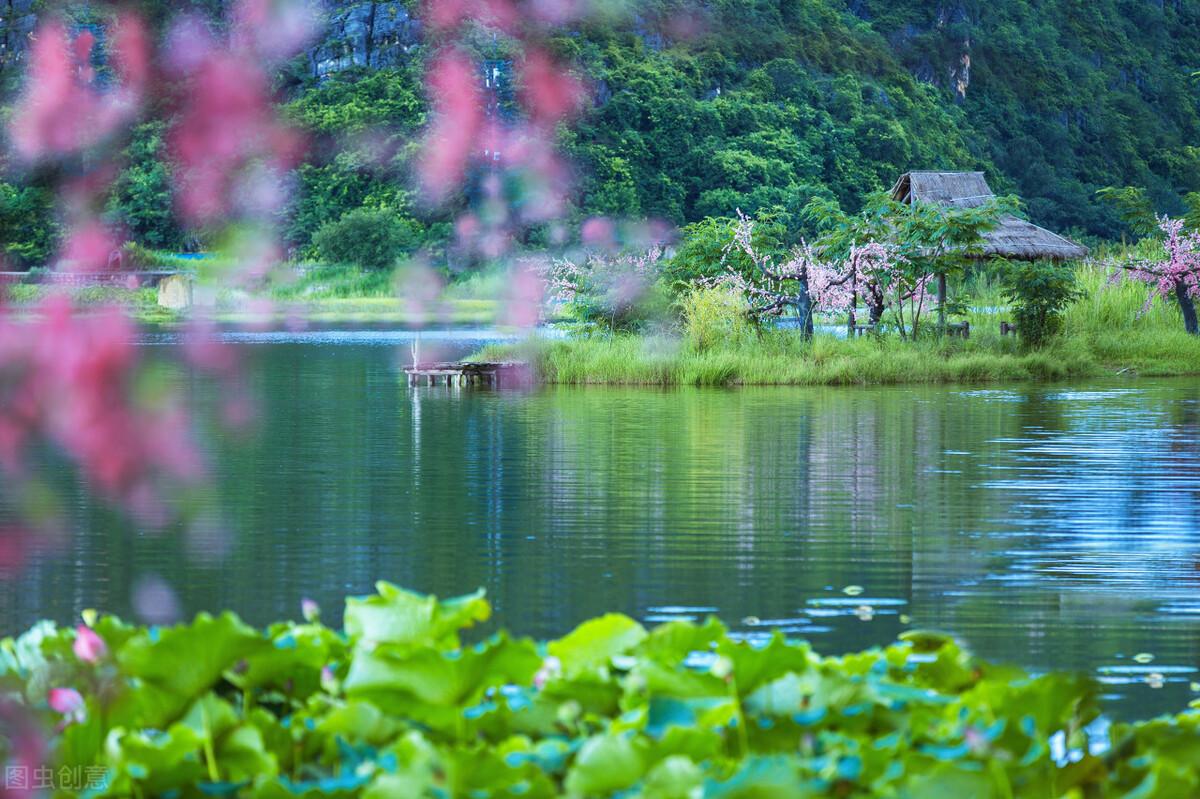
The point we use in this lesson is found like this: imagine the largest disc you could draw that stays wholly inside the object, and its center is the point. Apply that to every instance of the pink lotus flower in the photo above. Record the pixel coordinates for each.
(89, 647)
(69, 703)
(310, 610)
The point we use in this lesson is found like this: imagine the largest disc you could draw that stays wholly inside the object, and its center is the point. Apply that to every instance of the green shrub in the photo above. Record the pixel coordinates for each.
(713, 316)
(396, 705)
(373, 238)
(29, 230)
(1039, 292)
(706, 249)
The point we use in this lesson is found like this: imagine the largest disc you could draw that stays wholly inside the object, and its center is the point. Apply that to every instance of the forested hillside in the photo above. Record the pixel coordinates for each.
(698, 109)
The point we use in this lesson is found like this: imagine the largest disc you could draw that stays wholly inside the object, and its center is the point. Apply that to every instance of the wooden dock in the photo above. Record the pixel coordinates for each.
(496, 374)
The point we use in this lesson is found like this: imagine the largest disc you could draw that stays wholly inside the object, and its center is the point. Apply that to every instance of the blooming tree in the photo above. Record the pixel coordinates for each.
(602, 287)
(800, 281)
(1177, 275)
(807, 282)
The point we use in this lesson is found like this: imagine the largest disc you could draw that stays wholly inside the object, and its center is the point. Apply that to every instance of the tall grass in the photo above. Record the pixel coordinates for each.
(1125, 333)
(782, 357)
(327, 281)
(1105, 333)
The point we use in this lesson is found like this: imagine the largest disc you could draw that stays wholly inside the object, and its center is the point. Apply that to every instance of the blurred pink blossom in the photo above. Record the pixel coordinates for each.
(89, 647)
(274, 29)
(154, 600)
(457, 120)
(15, 543)
(226, 124)
(61, 109)
(598, 231)
(90, 248)
(446, 14)
(69, 703)
(69, 377)
(522, 304)
(550, 93)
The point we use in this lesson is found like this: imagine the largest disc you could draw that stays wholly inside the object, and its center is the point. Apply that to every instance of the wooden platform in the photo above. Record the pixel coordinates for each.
(497, 374)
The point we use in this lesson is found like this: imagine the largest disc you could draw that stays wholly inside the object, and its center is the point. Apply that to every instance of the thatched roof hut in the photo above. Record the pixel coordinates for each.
(1012, 238)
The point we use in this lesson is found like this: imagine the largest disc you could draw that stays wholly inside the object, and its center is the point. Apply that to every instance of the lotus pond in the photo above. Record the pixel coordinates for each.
(1050, 526)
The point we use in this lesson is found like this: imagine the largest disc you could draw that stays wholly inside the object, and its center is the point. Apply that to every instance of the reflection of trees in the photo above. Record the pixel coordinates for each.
(1010, 516)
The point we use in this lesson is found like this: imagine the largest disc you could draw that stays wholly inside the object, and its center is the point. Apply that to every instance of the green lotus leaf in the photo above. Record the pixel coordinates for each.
(672, 642)
(763, 778)
(154, 762)
(396, 616)
(753, 666)
(607, 763)
(675, 777)
(595, 642)
(172, 667)
(292, 664)
(439, 686)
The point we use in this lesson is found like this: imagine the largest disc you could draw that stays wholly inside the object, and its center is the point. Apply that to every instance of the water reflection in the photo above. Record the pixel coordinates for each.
(1053, 527)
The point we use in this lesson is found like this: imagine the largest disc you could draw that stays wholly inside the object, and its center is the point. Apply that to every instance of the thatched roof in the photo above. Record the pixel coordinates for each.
(1011, 238)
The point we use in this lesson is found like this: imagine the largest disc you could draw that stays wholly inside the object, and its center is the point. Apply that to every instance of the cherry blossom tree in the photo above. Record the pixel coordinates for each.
(808, 282)
(603, 287)
(1176, 276)
(799, 281)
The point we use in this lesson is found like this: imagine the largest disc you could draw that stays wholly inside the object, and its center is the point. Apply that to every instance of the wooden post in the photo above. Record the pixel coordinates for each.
(942, 300)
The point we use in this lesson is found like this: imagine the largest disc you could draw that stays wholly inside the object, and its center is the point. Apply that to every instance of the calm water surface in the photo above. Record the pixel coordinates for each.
(1052, 526)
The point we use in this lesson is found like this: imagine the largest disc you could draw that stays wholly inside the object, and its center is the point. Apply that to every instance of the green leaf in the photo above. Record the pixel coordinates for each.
(605, 764)
(396, 616)
(596, 641)
(676, 777)
(435, 687)
(173, 667)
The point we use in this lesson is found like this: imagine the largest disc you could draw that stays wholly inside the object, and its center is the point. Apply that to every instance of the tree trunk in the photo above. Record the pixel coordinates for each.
(1188, 307)
(850, 317)
(942, 301)
(804, 305)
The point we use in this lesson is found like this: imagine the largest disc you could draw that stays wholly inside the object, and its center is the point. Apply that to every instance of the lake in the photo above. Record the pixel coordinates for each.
(1054, 526)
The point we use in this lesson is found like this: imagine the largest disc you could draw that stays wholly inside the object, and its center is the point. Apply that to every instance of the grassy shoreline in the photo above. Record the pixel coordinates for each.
(1108, 331)
(782, 358)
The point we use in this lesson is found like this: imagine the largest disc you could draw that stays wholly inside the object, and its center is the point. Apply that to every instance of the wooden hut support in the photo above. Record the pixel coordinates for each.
(470, 373)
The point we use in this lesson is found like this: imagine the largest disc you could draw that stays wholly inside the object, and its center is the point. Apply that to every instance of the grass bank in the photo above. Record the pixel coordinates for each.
(1105, 333)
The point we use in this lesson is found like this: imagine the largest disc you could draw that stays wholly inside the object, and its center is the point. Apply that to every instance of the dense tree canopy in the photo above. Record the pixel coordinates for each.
(698, 111)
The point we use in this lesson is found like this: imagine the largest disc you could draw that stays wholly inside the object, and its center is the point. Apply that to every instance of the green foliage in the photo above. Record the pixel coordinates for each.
(364, 125)
(28, 229)
(1039, 292)
(703, 126)
(706, 248)
(372, 238)
(1132, 207)
(397, 705)
(1064, 98)
(713, 316)
(141, 201)
(334, 281)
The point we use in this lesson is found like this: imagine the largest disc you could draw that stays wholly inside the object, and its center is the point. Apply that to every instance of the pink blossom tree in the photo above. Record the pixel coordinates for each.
(605, 288)
(1176, 276)
(808, 283)
(800, 281)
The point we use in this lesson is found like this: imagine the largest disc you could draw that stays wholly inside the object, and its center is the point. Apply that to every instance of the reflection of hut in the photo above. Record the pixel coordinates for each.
(1012, 238)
